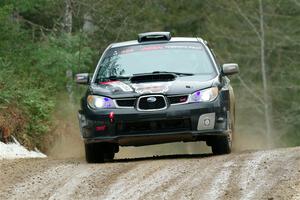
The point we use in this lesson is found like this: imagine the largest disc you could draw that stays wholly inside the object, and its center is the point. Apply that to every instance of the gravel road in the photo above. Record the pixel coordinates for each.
(270, 174)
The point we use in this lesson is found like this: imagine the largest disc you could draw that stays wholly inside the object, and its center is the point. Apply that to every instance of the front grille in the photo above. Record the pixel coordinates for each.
(155, 126)
(152, 103)
(178, 99)
(125, 102)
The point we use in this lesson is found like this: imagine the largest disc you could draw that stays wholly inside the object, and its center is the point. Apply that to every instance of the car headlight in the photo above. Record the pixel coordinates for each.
(206, 95)
(98, 102)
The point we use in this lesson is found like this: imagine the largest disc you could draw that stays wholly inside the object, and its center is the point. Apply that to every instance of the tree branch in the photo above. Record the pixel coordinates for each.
(35, 25)
(250, 90)
(247, 20)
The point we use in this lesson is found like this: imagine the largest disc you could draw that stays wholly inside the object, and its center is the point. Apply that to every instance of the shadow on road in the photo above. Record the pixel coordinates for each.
(164, 157)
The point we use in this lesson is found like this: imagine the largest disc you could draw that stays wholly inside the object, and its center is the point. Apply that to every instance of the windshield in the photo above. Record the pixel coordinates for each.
(179, 57)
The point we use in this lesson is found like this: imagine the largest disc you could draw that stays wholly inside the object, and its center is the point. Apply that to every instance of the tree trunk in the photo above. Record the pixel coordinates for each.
(267, 98)
(68, 18)
(67, 25)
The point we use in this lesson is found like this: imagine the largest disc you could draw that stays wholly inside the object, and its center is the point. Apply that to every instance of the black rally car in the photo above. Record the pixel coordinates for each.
(153, 90)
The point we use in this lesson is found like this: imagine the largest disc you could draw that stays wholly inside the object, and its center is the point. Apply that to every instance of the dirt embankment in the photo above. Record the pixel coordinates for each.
(272, 174)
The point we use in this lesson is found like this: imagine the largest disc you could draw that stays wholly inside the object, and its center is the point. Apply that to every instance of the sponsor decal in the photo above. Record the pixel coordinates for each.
(143, 88)
(132, 49)
(118, 84)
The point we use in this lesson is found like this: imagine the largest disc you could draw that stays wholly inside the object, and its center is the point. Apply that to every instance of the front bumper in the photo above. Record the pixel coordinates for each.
(130, 127)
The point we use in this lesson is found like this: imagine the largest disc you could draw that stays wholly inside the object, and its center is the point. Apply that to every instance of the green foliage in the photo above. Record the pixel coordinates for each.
(33, 70)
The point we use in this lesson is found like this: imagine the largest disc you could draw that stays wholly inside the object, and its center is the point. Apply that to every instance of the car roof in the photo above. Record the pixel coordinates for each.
(173, 39)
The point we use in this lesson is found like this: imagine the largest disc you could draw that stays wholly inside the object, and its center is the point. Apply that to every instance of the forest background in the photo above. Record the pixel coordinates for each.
(44, 43)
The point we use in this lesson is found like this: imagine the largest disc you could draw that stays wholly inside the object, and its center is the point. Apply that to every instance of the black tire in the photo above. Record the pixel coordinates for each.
(109, 156)
(221, 146)
(99, 152)
(92, 154)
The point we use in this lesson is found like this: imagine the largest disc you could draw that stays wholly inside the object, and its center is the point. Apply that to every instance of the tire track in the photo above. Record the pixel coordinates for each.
(43, 185)
(250, 173)
(139, 180)
(220, 182)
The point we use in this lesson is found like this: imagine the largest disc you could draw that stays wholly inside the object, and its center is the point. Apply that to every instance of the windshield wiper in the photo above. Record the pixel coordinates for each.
(165, 72)
(177, 73)
(112, 78)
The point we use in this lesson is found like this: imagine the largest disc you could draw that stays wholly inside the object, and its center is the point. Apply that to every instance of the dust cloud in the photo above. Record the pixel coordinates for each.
(66, 138)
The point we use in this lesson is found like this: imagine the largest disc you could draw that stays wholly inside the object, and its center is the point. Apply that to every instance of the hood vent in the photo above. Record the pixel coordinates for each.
(152, 78)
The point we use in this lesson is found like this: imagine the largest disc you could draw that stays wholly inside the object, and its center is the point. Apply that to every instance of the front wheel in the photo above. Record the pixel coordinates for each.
(221, 146)
(99, 152)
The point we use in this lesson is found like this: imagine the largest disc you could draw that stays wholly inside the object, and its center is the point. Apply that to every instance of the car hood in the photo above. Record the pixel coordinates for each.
(180, 85)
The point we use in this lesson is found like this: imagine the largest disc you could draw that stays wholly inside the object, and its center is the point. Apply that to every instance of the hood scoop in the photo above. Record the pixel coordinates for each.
(144, 78)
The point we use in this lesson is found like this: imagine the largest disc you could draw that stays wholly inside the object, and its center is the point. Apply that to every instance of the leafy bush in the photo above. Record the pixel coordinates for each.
(33, 72)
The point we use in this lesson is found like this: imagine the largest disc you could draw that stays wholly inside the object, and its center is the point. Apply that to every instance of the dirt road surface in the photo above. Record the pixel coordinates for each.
(270, 174)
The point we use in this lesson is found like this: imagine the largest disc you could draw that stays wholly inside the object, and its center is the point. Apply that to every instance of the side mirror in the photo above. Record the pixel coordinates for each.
(230, 69)
(83, 78)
